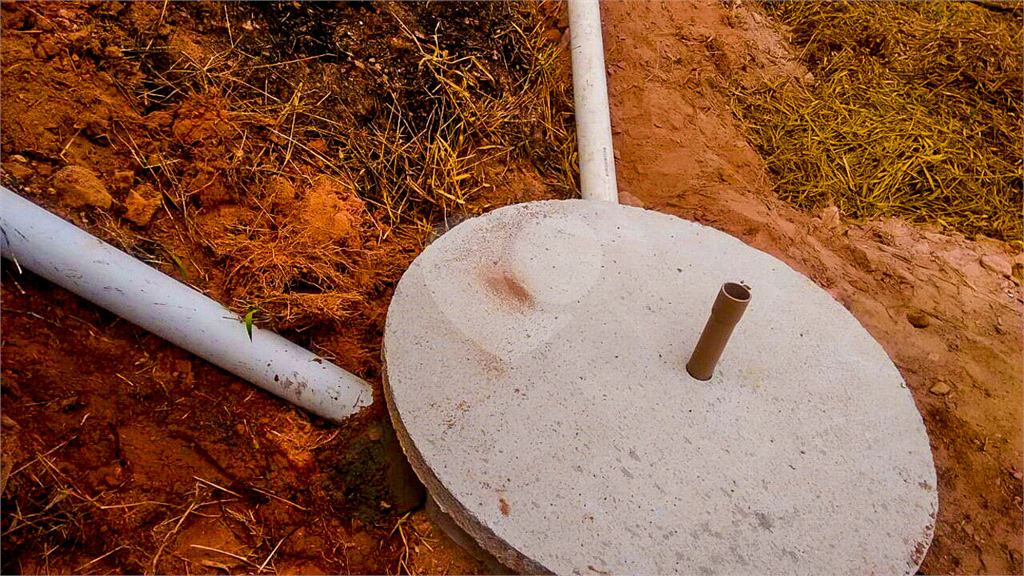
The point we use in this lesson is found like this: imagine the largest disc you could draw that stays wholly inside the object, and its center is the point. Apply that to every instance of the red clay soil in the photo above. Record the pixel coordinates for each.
(124, 454)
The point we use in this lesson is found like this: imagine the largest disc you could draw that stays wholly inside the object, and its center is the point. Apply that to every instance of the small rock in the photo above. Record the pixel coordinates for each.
(19, 171)
(141, 204)
(940, 389)
(997, 263)
(79, 37)
(80, 187)
(123, 179)
(830, 217)
(159, 119)
(46, 50)
(104, 477)
(864, 259)
(401, 43)
(629, 199)
(19, 158)
(918, 319)
(552, 35)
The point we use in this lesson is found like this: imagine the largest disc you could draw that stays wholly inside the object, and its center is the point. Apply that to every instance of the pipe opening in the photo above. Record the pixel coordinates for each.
(736, 291)
(727, 310)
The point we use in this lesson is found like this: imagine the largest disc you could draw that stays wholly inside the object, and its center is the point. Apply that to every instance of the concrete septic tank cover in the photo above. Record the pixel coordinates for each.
(535, 372)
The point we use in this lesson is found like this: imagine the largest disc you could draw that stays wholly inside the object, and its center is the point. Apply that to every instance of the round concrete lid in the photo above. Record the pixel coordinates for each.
(535, 372)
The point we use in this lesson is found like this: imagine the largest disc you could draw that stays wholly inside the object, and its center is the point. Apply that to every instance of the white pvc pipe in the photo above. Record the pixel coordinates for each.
(593, 125)
(62, 253)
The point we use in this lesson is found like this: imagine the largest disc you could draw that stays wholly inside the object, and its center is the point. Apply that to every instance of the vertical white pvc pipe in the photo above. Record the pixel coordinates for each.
(593, 125)
(70, 257)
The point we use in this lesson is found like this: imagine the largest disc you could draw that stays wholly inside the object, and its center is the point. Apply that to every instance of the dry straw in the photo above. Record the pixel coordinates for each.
(915, 112)
(424, 153)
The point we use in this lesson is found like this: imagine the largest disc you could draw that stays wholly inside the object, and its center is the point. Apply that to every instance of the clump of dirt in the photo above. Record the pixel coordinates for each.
(141, 204)
(331, 213)
(308, 255)
(80, 188)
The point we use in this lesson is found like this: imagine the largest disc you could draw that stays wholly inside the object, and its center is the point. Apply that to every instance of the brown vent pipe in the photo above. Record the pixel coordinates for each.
(732, 300)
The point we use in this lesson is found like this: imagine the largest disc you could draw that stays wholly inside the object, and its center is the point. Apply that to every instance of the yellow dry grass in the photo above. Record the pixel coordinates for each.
(441, 163)
(423, 156)
(915, 112)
